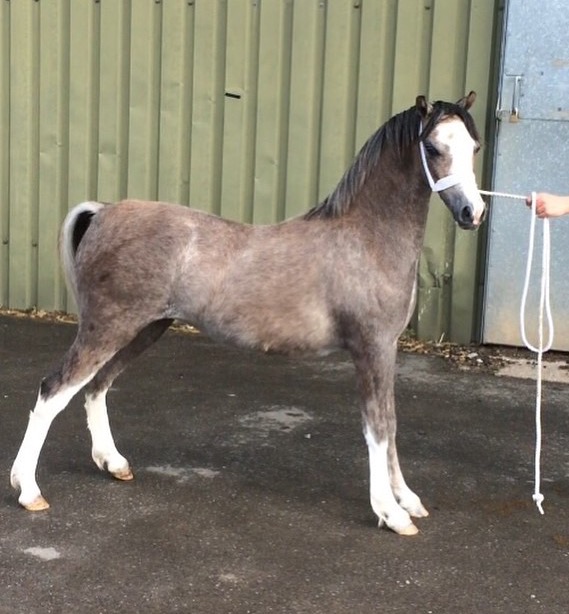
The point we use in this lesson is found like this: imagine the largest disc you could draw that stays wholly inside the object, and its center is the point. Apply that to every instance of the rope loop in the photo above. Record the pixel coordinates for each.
(544, 308)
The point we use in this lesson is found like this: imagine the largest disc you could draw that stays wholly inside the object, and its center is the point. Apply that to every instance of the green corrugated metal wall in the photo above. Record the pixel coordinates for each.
(248, 108)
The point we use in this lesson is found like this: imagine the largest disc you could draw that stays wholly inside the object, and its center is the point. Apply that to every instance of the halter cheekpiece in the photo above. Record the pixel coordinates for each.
(440, 184)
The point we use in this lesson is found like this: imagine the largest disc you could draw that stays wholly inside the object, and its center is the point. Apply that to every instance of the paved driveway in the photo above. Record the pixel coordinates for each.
(251, 490)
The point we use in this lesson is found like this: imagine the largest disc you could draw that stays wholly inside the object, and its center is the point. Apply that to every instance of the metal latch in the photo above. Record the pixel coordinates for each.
(510, 85)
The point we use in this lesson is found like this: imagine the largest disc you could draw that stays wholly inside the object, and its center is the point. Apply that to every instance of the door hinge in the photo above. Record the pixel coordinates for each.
(511, 85)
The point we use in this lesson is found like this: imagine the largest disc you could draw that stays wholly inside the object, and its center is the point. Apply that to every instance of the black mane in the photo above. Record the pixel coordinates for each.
(399, 132)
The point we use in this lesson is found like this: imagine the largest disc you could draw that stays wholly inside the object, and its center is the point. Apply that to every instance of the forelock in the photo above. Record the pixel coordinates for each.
(443, 109)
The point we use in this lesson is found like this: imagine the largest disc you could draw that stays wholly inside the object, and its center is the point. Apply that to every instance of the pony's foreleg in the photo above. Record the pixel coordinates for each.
(407, 499)
(104, 451)
(382, 497)
(23, 474)
(375, 367)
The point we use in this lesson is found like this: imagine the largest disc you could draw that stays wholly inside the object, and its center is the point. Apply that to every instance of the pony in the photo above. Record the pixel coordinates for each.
(341, 276)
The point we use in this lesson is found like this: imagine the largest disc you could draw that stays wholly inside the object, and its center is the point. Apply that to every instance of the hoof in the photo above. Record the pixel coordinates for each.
(125, 475)
(37, 505)
(411, 503)
(420, 513)
(410, 529)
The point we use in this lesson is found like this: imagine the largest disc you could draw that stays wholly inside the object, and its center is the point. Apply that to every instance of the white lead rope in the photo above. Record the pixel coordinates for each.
(544, 307)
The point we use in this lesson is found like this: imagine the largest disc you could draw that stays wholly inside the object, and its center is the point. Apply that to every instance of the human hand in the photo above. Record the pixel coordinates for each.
(549, 205)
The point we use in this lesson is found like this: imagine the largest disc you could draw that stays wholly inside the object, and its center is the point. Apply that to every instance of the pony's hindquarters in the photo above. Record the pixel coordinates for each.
(109, 335)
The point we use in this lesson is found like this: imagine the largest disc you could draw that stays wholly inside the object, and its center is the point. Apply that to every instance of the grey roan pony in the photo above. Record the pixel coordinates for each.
(341, 276)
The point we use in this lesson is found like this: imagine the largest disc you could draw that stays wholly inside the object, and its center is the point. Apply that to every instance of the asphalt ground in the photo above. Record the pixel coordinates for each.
(250, 490)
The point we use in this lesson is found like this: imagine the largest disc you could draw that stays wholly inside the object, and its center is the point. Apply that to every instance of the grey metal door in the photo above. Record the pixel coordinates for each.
(532, 153)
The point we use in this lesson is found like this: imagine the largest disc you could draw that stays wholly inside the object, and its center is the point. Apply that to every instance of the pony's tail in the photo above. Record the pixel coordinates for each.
(73, 229)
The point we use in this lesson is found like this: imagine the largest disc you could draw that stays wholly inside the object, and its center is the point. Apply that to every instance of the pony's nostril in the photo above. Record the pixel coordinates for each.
(466, 214)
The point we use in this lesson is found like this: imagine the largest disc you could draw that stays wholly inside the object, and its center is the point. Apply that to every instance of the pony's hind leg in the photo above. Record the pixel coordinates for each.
(56, 390)
(104, 451)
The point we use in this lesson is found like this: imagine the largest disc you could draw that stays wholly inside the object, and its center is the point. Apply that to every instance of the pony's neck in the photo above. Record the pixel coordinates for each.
(396, 197)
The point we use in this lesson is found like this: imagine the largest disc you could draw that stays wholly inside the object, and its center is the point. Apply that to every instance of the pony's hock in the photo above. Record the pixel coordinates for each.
(341, 276)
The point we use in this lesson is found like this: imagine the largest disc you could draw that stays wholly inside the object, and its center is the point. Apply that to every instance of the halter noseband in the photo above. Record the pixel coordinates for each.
(444, 182)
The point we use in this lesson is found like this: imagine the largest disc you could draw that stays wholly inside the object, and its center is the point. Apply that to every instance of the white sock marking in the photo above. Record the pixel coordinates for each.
(24, 467)
(381, 496)
(104, 451)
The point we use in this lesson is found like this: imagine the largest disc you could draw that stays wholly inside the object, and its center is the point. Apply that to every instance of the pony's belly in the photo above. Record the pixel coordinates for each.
(286, 334)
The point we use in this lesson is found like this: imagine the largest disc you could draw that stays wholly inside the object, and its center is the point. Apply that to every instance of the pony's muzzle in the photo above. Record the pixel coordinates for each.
(468, 212)
(470, 217)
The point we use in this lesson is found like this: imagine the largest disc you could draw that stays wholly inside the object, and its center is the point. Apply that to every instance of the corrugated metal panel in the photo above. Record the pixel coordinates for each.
(4, 150)
(248, 108)
(461, 34)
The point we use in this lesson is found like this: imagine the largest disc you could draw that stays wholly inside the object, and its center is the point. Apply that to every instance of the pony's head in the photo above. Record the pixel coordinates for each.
(448, 142)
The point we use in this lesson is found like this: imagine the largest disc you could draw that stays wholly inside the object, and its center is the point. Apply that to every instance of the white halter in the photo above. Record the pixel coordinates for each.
(444, 182)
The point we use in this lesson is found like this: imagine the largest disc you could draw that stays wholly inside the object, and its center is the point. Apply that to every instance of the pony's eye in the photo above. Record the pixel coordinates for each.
(431, 149)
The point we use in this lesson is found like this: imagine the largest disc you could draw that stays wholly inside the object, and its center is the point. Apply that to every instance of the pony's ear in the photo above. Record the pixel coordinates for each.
(423, 106)
(467, 101)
